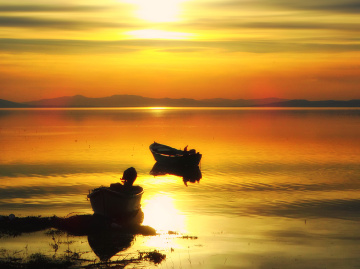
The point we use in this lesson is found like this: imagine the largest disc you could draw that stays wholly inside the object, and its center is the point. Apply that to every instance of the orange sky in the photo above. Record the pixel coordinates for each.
(180, 48)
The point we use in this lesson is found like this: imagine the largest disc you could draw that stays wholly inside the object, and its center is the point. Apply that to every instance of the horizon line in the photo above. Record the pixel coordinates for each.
(181, 98)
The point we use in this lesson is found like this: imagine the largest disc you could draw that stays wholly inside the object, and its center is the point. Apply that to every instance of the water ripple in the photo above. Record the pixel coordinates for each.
(334, 208)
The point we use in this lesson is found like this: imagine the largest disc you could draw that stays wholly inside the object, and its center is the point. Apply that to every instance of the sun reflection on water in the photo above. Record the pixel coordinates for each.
(161, 213)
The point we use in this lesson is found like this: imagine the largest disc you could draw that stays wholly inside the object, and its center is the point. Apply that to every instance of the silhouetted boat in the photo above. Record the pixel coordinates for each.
(118, 201)
(170, 156)
(188, 173)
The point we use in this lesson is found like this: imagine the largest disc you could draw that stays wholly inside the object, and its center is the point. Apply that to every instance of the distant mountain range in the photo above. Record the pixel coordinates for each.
(9, 104)
(139, 101)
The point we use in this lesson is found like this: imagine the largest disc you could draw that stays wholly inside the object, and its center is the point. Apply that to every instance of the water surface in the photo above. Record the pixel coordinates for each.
(279, 187)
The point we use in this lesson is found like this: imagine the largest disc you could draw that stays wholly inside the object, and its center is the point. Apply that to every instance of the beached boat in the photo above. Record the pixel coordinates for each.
(167, 155)
(118, 200)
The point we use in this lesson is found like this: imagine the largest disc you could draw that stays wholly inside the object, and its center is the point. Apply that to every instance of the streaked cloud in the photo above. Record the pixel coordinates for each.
(211, 23)
(63, 46)
(204, 24)
(209, 32)
(317, 6)
(320, 6)
(31, 22)
(50, 8)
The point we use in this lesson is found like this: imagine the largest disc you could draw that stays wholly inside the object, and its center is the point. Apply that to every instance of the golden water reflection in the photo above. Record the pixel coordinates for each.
(161, 213)
(277, 185)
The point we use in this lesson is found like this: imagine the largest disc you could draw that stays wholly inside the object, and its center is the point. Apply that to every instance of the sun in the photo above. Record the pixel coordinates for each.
(157, 10)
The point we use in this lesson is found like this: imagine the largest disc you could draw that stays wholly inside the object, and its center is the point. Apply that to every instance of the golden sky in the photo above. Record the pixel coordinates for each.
(180, 48)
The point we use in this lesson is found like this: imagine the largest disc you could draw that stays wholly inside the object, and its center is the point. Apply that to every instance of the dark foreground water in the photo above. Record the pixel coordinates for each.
(279, 187)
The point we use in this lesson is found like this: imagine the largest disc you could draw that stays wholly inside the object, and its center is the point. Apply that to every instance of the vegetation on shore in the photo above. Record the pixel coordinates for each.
(71, 260)
(106, 238)
(98, 229)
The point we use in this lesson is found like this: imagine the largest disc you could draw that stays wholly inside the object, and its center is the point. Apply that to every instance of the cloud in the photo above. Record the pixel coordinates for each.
(29, 22)
(63, 46)
(349, 6)
(195, 25)
(305, 26)
(322, 5)
(69, 17)
(49, 8)
(260, 23)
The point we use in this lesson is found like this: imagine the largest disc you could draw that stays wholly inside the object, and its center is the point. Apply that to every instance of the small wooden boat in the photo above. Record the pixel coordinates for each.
(170, 156)
(118, 201)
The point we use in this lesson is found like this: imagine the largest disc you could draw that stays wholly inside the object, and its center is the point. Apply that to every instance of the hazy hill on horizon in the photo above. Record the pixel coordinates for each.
(139, 101)
(10, 104)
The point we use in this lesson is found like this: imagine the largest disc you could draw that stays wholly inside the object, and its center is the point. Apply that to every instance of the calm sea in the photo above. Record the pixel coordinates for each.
(279, 188)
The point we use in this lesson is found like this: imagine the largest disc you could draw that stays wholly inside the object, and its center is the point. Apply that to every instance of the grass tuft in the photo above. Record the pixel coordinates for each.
(153, 256)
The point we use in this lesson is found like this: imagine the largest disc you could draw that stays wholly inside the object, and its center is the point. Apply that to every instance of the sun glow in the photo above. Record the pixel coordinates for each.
(157, 10)
(160, 213)
(157, 34)
(158, 108)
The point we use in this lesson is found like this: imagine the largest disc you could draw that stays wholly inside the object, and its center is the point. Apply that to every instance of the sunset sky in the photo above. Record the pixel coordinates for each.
(180, 48)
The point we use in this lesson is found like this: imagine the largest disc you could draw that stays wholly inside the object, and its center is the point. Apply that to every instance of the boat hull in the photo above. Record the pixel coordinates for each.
(193, 159)
(171, 156)
(115, 204)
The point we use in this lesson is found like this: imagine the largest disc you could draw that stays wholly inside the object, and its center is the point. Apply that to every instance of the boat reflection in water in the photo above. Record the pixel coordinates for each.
(106, 236)
(188, 173)
(118, 208)
(108, 242)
